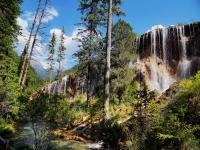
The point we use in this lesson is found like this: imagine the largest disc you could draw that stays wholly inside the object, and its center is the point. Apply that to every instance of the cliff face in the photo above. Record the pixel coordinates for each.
(169, 54)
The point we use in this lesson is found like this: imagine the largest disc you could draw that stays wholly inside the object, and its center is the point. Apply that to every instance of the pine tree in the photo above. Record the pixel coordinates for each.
(52, 45)
(90, 56)
(123, 55)
(61, 53)
(9, 88)
(92, 16)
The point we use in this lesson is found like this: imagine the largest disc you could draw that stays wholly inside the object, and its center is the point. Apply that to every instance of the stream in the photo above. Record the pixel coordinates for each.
(37, 136)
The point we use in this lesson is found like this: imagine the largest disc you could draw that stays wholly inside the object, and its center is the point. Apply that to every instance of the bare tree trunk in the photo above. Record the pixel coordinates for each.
(26, 48)
(59, 70)
(107, 75)
(34, 41)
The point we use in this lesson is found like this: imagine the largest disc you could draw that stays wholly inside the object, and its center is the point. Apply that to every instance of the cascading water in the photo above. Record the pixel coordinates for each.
(164, 44)
(67, 84)
(154, 70)
(165, 55)
(167, 80)
(159, 79)
(57, 87)
(184, 64)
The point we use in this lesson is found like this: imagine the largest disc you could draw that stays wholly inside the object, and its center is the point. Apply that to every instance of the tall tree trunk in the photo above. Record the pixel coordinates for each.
(88, 83)
(89, 67)
(33, 45)
(59, 70)
(26, 48)
(107, 75)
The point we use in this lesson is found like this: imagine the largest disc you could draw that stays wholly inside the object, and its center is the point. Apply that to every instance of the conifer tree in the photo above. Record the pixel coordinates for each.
(123, 55)
(51, 59)
(90, 39)
(94, 17)
(9, 88)
(61, 53)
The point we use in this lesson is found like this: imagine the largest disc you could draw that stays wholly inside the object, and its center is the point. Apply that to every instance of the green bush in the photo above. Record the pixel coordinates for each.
(6, 129)
(174, 124)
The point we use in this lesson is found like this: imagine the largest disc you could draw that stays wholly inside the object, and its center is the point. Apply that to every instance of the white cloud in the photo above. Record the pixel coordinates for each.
(22, 23)
(51, 13)
(56, 31)
(70, 44)
(40, 53)
(23, 37)
(155, 27)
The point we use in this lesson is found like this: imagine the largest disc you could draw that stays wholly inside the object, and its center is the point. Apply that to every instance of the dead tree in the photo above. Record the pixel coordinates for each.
(34, 42)
(25, 54)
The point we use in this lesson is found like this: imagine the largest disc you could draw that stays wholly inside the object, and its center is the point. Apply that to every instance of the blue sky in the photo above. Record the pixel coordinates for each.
(141, 14)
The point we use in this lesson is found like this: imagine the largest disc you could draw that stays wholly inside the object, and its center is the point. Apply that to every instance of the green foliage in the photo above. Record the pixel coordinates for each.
(51, 60)
(9, 88)
(166, 124)
(52, 108)
(175, 124)
(123, 54)
(61, 53)
(184, 108)
(91, 56)
(130, 93)
(6, 129)
(9, 10)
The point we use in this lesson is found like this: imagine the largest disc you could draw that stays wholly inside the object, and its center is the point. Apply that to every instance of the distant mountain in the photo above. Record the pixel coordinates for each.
(39, 68)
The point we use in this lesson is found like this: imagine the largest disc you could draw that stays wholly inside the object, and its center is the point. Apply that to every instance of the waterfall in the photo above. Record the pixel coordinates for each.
(65, 84)
(168, 54)
(167, 80)
(68, 84)
(164, 44)
(160, 78)
(57, 87)
(54, 87)
(154, 70)
(184, 64)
